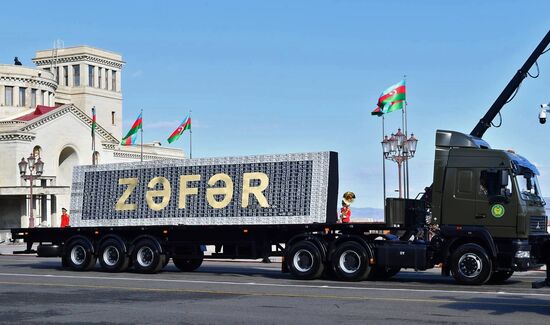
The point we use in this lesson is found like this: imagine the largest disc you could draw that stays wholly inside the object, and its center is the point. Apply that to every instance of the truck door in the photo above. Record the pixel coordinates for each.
(496, 208)
(459, 197)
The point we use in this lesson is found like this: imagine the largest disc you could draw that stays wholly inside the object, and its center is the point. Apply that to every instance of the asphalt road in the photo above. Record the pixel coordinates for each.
(39, 291)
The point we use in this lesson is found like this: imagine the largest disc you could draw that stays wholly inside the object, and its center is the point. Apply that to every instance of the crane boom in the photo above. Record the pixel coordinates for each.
(485, 122)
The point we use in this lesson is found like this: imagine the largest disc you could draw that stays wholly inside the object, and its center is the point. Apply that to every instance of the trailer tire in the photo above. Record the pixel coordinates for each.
(147, 256)
(471, 265)
(112, 256)
(499, 277)
(305, 261)
(79, 255)
(350, 262)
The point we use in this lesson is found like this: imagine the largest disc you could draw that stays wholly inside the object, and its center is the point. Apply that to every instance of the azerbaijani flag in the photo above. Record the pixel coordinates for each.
(94, 121)
(185, 125)
(391, 99)
(131, 136)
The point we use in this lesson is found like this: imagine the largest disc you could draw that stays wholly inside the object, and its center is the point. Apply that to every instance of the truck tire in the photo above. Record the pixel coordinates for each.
(79, 255)
(147, 257)
(499, 277)
(471, 265)
(305, 261)
(350, 262)
(379, 272)
(187, 264)
(112, 256)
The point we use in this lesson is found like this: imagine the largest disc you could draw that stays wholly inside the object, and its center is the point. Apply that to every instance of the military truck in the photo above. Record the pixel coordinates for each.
(481, 220)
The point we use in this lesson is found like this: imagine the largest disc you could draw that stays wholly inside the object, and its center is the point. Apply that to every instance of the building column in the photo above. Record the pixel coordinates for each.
(83, 74)
(51, 100)
(44, 208)
(28, 97)
(15, 96)
(118, 82)
(70, 79)
(96, 76)
(39, 97)
(2, 95)
(53, 211)
(109, 79)
(25, 214)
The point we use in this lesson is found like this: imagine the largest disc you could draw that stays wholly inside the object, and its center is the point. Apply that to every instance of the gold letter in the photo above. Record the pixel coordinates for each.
(257, 190)
(227, 191)
(184, 190)
(164, 193)
(121, 204)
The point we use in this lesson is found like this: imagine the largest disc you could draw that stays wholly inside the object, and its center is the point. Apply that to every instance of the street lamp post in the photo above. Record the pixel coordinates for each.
(33, 165)
(399, 149)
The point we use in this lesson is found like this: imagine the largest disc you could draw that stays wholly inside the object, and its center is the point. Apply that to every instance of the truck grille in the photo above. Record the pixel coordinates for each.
(538, 224)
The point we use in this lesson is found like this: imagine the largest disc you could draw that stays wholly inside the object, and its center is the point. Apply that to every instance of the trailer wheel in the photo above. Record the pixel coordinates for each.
(112, 256)
(500, 276)
(147, 257)
(79, 255)
(350, 262)
(471, 265)
(304, 261)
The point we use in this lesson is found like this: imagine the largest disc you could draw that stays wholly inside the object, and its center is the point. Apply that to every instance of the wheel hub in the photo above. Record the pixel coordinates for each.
(78, 255)
(303, 260)
(145, 256)
(350, 261)
(470, 265)
(111, 256)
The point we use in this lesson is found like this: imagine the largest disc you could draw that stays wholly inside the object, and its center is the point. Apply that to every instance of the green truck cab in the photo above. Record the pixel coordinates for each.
(489, 198)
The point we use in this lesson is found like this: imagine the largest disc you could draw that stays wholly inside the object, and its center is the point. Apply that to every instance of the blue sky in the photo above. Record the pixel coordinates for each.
(297, 76)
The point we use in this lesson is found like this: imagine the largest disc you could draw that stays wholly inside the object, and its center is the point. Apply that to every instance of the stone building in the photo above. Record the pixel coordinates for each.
(46, 111)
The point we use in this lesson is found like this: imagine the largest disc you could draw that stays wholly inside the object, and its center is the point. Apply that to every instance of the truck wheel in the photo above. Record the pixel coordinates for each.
(350, 262)
(500, 276)
(383, 272)
(147, 257)
(112, 256)
(304, 261)
(471, 265)
(79, 255)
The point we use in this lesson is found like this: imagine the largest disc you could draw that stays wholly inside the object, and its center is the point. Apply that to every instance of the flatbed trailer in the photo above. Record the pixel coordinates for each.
(481, 220)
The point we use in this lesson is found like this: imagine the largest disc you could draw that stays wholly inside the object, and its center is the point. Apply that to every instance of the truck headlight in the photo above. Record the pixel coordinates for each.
(523, 254)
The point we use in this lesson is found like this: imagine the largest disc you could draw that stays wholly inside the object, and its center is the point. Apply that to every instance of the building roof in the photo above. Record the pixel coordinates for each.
(39, 111)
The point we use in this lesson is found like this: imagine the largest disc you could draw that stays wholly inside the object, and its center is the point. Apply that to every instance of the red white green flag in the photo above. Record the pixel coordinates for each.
(94, 121)
(131, 136)
(185, 125)
(391, 99)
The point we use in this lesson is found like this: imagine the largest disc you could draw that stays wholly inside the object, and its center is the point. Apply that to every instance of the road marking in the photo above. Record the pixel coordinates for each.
(140, 279)
(272, 294)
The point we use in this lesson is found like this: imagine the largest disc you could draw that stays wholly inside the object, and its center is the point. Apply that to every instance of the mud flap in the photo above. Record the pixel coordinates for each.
(543, 283)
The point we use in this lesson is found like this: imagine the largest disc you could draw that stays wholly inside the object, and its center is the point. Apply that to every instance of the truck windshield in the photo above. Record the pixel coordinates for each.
(529, 187)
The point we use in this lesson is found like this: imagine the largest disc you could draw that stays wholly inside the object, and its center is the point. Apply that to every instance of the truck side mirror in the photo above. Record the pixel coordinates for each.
(503, 177)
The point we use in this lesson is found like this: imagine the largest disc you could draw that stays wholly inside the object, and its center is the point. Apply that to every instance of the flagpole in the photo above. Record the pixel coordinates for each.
(141, 135)
(93, 137)
(406, 135)
(191, 136)
(384, 165)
